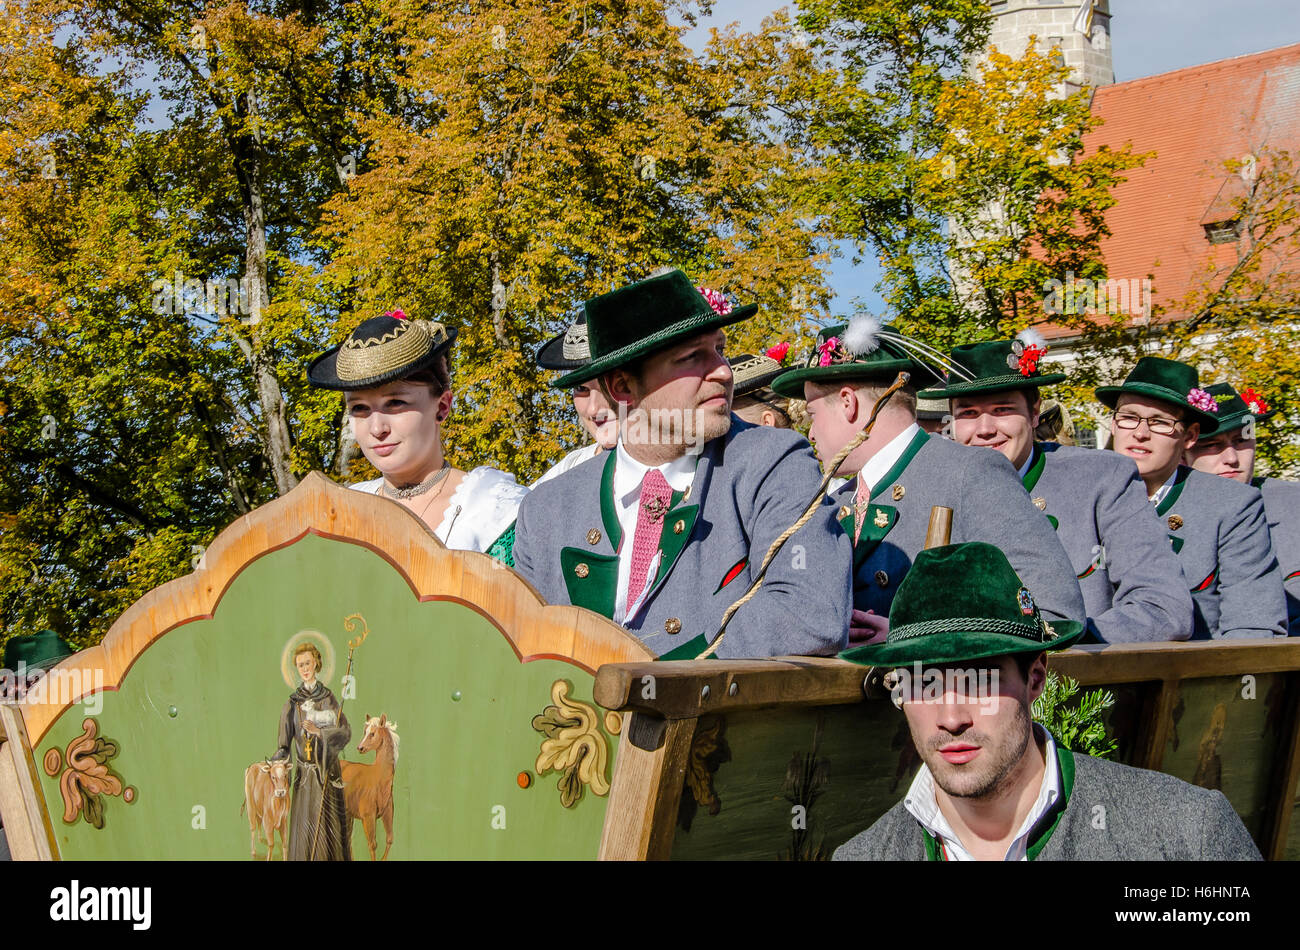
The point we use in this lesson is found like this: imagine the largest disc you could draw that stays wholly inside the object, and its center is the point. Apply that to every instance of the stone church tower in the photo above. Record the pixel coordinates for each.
(1057, 24)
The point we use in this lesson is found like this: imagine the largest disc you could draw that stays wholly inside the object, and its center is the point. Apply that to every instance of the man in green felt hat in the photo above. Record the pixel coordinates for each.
(1216, 526)
(968, 648)
(1228, 450)
(900, 472)
(668, 530)
(1131, 581)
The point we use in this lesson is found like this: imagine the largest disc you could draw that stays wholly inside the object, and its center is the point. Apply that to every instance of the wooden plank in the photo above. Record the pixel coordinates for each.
(318, 505)
(1283, 793)
(1103, 664)
(686, 689)
(27, 827)
(1151, 751)
(641, 817)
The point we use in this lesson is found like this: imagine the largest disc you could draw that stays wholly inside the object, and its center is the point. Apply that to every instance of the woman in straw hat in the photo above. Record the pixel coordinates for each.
(394, 376)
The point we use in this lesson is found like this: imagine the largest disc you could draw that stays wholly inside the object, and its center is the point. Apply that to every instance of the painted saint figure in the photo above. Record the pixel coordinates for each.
(313, 725)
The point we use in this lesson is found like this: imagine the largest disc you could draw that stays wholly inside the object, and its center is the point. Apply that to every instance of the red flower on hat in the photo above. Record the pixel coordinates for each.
(1028, 362)
(720, 304)
(778, 352)
(1254, 401)
(395, 314)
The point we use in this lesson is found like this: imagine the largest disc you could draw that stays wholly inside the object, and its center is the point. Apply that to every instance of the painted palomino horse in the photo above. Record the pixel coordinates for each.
(368, 787)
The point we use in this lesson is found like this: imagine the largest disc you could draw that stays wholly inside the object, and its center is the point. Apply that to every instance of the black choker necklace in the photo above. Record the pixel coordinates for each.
(415, 491)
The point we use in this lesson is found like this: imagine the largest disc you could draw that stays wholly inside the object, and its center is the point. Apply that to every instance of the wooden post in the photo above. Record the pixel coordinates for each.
(940, 530)
(27, 823)
(641, 817)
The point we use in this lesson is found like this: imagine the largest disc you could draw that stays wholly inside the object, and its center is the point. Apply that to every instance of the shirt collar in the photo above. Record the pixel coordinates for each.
(1024, 469)
(884, 460)
(628, 473)
(921, 802)
(1163, 490)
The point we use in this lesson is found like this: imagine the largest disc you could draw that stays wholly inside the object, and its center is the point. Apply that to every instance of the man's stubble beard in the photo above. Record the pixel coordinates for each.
(963, 782)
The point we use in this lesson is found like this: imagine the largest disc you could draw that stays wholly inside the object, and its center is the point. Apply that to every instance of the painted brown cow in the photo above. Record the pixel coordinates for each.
(266, 796)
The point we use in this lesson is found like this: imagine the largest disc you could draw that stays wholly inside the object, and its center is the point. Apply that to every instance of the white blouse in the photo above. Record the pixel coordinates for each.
(483, 505)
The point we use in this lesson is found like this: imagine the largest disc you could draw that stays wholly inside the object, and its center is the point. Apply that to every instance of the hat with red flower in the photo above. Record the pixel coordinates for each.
(1236, 408)
(998, 365)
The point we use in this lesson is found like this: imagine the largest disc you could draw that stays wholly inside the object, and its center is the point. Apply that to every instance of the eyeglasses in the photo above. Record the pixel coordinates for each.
(1157, 424)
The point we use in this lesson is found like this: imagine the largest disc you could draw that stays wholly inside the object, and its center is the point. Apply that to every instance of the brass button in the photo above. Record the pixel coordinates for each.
(1175, 522)
(882, 578)
(882, 519)
(899, 492)
(1040, 504)
(686, 494)
(844, 512)
(679, 527)
(672, 625)
(582, 570)
(593, 536)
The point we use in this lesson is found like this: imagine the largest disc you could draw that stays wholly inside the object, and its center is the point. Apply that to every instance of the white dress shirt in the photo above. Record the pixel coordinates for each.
(628, 473)
(921, 802)
(879, 464)
(1163, 490)
(1024, 469)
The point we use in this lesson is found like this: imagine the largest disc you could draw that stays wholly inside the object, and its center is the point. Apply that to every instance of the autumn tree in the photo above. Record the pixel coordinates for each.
(962, 168)
(548, 153)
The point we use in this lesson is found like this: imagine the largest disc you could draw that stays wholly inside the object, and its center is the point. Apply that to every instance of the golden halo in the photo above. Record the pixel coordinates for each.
(291, 678)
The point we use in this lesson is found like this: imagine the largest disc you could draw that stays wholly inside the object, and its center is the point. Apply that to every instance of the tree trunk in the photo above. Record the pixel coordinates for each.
(277, 444)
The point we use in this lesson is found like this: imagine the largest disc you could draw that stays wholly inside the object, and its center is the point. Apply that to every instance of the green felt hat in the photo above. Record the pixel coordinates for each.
(963, 602)
(1169, 381)
(995, 366)
(858, 350)
(37, 651)
(1234, 410)
(643, 318)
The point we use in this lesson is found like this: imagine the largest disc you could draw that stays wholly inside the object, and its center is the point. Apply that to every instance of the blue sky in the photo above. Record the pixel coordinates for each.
(1147, 37)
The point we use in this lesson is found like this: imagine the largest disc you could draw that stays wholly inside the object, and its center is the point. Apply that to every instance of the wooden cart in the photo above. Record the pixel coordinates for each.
(530, 731)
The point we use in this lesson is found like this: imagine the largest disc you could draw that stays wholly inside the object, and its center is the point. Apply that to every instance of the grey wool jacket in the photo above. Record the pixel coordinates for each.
(1282, 508)
(750, 486)
(1113, 812)
(989, 504)
(1219, 531)
(1131, 580)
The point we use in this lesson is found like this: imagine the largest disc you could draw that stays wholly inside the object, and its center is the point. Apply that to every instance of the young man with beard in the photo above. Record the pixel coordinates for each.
(668, 531)
(1216, 527)
(569, 351)
(1229, 451)
(1132, 584)
(968, 644)
(900, 472)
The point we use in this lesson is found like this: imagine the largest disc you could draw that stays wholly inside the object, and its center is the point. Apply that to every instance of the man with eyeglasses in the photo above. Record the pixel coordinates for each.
(1229, 452)
(1216, 527)
(1131, 581)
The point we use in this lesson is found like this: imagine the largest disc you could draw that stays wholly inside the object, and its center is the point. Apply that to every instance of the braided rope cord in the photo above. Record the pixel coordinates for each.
(816, 503)
(968, 624)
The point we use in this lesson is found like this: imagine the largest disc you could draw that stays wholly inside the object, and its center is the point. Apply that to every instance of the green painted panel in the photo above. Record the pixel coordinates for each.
(204, 701)
(1225, 735)
(845, 765)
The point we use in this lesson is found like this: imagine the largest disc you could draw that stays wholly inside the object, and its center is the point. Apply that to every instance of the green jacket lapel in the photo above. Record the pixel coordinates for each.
(591, 579)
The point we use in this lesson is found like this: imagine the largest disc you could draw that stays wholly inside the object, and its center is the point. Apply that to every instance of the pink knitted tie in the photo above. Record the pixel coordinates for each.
(655, 495)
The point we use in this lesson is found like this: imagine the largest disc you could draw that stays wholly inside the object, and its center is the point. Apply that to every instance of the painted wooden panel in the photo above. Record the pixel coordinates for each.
(1225, 734)
(791, 783)
(204, 701)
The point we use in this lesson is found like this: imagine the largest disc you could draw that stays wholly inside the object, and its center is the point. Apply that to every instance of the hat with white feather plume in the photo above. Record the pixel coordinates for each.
(863, 349)
(997, 366)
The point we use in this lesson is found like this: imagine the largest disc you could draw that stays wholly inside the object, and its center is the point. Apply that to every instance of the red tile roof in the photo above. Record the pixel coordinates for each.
(1193, 119)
